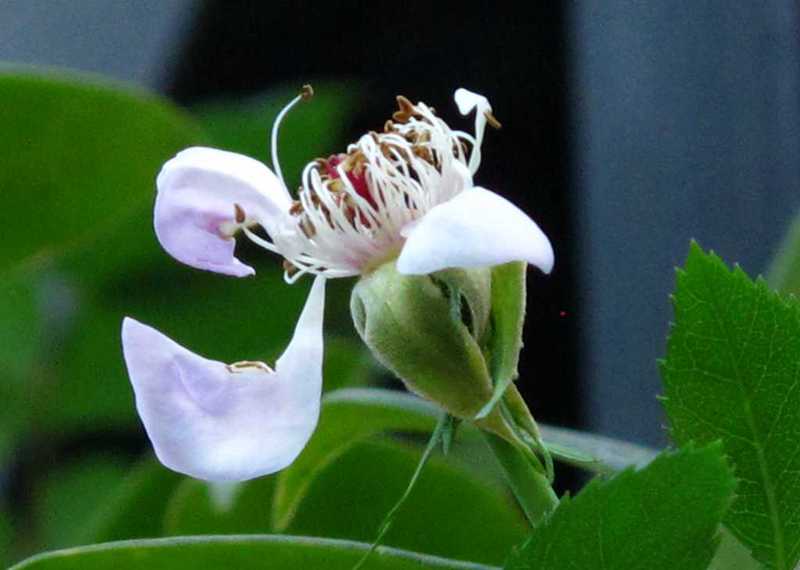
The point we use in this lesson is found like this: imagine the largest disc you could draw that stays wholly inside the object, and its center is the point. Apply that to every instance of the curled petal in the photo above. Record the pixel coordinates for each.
(204, 196)
(221, 422)
(467, 101)
(476, 228)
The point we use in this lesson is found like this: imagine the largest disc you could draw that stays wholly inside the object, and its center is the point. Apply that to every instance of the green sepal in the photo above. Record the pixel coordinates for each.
(504, 341)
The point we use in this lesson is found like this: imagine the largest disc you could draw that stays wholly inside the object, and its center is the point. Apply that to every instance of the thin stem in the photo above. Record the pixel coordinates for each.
(436, 437)
(530, 487)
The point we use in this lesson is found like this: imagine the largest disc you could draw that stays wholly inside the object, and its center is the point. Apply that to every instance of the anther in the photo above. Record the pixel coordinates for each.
(492, 120)
(289, 267)
(306, 92)
(239, 214)
(406, 110)
(246, 365)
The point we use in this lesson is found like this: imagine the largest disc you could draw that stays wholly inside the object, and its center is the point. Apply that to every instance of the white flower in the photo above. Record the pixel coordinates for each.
(405, 193)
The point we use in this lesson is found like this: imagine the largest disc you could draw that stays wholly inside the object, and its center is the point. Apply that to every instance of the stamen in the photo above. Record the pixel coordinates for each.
(305, 94)
(406, 110)
(260, 241)
(247, 365)
(351, 207)
(238, 213)
(492, 120)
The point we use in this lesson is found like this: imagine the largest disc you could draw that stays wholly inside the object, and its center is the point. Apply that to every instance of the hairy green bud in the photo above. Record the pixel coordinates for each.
(450, 340)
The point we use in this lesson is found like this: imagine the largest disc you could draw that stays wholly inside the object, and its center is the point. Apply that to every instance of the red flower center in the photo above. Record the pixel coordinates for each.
(358, 180)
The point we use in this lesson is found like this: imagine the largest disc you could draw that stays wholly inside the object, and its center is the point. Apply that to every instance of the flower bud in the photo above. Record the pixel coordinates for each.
(435, 332)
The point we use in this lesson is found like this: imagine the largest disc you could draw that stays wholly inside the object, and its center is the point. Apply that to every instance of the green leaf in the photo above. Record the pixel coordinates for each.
(662, 517)
(448, 513)
(348, 363)
(136, 508)
(731, 373)
(6, 538)
(354, 414)
(351, 415)
(732, 554)
(20, 334)
(347, 416)
(78, 156)
(240, 552)
(594, 452)
(73, 492)
(202, 508)
(79, 160)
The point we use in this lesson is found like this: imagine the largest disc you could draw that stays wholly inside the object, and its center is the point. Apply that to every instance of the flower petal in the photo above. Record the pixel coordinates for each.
(196, 207)
(221, 423)
(476, 228)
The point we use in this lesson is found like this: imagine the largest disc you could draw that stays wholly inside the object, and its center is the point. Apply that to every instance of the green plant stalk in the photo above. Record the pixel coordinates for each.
(436, 437)
(530, 487)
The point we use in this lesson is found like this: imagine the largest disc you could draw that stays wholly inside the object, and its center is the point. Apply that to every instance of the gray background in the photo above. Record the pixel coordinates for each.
(686, 126)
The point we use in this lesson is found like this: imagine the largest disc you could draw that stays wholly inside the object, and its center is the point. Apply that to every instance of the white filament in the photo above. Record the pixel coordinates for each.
(345, 233)
(274, 136)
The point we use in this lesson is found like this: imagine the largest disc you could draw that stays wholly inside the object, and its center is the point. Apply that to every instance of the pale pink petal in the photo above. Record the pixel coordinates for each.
(196, 207)
(476, 228)
(221, 423)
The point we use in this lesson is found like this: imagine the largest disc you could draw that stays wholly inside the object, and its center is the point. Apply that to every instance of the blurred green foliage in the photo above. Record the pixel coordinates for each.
(79, 160)
(241, 552)
(366, 481)
(74, 491)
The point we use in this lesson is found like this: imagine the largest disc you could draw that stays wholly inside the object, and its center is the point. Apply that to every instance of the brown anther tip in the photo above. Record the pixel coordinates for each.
(239, 214)
(404, 104)
(492, 120)
(388, 126)
(306, 92)
(405, 110)
(248, 365)
(289, 267)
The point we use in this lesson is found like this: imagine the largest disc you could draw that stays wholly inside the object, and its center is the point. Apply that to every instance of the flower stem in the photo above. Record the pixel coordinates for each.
(530, 487)
(442, 426)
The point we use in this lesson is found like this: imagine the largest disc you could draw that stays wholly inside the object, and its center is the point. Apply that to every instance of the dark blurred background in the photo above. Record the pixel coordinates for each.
(629, 128)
